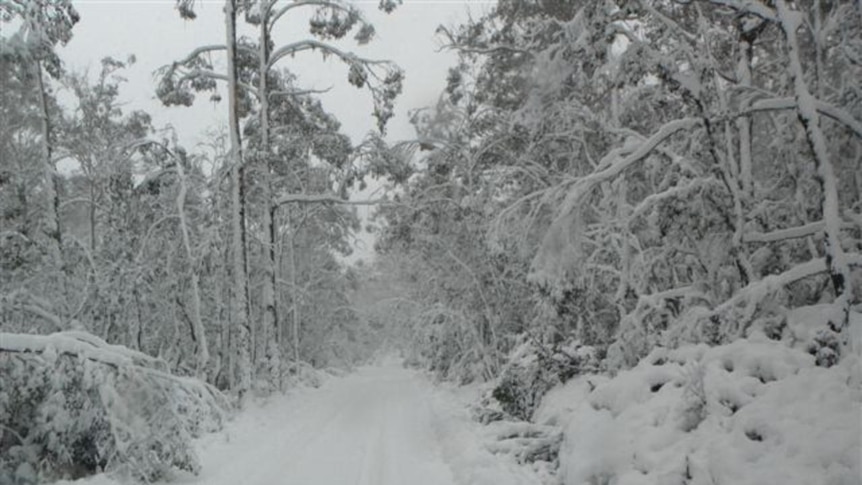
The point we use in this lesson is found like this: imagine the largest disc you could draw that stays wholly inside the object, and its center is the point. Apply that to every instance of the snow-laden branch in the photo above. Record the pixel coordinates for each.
(789, 233)
(785, 103)
(757, 290)
(644, 149)
(194, 73)
(754, 7)
(76, 200)
(14, 234)
(299, 92)
(807, 113)
(202, 50)
(80, 344)
(87, 346)
(323, 198)
(211, 48)
(175, 410)
(548, 256)
(45, 315)
(840, 116)
(454, 44)
(311, 44)
(677, 191)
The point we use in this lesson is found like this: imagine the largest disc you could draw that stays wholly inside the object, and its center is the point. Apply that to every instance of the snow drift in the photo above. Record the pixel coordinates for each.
(750, 412)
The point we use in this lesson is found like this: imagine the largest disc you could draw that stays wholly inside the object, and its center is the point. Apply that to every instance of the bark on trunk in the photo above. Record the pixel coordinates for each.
(52, 219)
(743, 123)
(295, 292)
(240, 300)
(270, 302)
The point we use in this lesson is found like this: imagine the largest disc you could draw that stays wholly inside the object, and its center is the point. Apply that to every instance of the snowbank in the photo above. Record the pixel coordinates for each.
(469, 458)
(751, 412)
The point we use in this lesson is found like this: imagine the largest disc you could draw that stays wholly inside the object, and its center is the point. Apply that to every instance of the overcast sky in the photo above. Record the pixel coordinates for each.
(153, 31)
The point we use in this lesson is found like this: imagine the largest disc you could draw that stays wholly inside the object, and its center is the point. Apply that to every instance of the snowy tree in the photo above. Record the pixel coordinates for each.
(658, 180)
(74, 405)
(261, 89)
(43, 26)
(28, 54)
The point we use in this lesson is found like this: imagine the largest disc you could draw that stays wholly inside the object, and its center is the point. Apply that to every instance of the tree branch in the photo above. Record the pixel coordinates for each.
(311, 44)
(323, 198)
(754, 7)
(789, 233)
(826, 109)
(215, 75)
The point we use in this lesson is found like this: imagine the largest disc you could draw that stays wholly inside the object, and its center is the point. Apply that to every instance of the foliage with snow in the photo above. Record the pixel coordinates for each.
(635, 225)
(72, 405)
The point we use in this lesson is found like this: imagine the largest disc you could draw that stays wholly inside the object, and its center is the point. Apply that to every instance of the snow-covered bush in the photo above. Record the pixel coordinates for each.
(534, 368)
(72, 405)
(448, 343)
(750, 412)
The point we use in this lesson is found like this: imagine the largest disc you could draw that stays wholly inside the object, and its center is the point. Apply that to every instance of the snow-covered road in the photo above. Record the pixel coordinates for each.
(378, 426)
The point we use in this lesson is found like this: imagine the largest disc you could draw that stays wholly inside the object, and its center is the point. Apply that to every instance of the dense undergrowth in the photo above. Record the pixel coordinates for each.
(72, 405)
(775, 406)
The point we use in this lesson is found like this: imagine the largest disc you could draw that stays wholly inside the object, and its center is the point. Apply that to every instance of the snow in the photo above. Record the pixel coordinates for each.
(380, 425)
(77, 343)
(751, 412)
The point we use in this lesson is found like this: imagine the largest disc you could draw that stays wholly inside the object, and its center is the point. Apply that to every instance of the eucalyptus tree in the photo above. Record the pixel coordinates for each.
(303, 132)
(43, 25)
(472, 295)
(331, 20)
(715, 282)
(97, 135)
(40, 26)
(22, 254)
(660, 181)
(176, 88)
(254, 83)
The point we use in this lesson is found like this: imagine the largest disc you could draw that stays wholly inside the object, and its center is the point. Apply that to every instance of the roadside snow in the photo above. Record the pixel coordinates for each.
(751, 412)
(378, 426)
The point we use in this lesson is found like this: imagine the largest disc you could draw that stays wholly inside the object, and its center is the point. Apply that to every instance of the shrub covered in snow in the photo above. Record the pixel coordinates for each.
(534, 368)
(72, 405)
(749, 412)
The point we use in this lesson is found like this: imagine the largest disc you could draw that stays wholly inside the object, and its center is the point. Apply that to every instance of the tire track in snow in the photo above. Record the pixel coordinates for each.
(379, 426)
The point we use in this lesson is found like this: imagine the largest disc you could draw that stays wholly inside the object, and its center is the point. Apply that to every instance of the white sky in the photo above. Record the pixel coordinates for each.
(153, 31)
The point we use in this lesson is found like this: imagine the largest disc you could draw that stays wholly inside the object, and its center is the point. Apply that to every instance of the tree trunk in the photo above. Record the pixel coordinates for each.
(806, 110)
(92, 215)
(295, 292)
(199, 334)
(240, 300)
(270, 302)
(743, 124)
(52, 218)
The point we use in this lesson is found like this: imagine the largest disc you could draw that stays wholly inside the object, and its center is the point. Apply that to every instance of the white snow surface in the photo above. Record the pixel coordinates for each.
(751, 412)
(380, 425)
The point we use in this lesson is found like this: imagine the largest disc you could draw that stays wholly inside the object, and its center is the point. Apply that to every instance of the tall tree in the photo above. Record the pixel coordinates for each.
(331, 20)
(43, 25)
(252, 76)
(662, 185)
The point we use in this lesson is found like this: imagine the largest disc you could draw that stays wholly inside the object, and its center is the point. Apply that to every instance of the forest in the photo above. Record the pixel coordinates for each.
(631, 229)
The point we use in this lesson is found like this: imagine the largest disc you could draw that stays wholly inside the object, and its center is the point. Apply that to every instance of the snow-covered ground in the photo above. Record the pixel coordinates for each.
(381, 425)
(751, 412)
